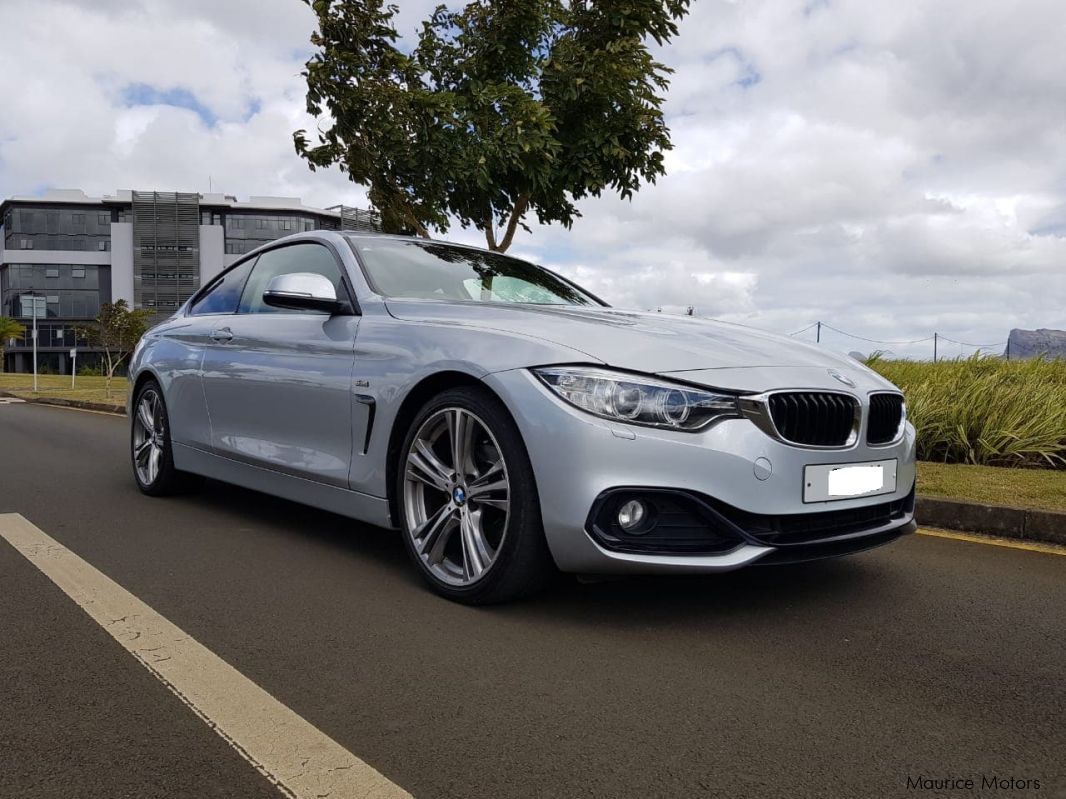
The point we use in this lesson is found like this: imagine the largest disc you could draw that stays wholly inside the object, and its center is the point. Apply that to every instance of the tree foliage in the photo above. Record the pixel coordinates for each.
(503, 109)
(116, 331)
(9, 329)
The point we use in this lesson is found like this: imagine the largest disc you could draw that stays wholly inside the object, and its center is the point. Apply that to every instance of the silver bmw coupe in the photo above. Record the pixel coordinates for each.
(510, 423)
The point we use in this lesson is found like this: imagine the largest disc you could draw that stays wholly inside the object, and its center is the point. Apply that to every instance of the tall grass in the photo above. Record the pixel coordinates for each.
(985, 410)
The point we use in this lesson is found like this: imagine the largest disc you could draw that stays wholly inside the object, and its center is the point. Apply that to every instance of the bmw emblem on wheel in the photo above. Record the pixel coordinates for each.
(847, 381)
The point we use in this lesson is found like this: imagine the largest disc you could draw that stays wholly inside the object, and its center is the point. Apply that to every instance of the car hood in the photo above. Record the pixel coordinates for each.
(696, 350)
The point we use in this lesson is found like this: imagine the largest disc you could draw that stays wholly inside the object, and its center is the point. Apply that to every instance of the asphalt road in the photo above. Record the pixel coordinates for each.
(929, 657)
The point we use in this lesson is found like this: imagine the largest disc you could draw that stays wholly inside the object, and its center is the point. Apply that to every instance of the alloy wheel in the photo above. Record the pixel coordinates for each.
(149, 440)
(456, 496)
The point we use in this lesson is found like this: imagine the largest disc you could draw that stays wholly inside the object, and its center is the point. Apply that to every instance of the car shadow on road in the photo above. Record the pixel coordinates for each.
(305, 523)
(746, 593)
(622, 601)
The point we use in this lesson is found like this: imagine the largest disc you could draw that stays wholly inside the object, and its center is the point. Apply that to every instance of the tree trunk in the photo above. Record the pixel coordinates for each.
(519, 210)
(110, 372)
(420, 229)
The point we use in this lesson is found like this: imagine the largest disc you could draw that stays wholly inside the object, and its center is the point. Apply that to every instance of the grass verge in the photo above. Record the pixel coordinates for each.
(1042, 489)
(86, 389)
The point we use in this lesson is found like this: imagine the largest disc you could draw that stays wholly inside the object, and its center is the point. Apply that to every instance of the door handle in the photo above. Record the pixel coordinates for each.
(222, 335)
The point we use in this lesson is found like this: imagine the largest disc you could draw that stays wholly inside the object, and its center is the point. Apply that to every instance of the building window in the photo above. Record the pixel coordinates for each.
(101, 245)
(27, 244)
(105, 219)
(51, 271)
(285, 224)
(260, 223)
(77, 271)
(77, 219)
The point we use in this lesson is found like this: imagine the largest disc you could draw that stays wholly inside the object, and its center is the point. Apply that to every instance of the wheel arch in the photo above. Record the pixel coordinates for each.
(143, 377)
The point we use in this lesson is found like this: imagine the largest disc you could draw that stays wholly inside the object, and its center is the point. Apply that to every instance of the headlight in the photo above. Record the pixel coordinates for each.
(637, 400)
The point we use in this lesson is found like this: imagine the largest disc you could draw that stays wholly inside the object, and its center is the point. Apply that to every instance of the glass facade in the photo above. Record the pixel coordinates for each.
(247, 230)
(69, 229)
(70, 291)
(51, 335)
(166, 249)
(166, 258)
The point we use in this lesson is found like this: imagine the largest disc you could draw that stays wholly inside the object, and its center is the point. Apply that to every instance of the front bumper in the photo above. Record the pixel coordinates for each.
(578, 459)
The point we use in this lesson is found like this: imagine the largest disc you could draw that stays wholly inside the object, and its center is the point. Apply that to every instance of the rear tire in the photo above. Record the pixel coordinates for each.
(151, 450)
(468, 503)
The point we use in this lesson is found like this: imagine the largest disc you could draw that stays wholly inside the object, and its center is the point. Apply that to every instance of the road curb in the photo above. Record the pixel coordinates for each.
(84, 405)
(1023, 524)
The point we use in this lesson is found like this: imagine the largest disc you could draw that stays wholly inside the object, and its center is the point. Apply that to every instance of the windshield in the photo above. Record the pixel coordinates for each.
(432, 271)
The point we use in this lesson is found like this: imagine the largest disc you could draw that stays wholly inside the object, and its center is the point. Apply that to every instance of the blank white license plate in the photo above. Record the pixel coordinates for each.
(829, 481)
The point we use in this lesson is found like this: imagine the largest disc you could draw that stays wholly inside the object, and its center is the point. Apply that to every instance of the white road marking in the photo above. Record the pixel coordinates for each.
(10, 400)
(302, 761)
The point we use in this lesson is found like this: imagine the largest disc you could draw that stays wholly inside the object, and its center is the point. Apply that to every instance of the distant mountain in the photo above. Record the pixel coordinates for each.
(1036, 343)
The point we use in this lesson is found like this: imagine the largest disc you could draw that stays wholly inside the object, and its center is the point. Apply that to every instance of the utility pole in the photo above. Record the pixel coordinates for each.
(33, 297)
(818, 334)
(35, 345)
(935, 337)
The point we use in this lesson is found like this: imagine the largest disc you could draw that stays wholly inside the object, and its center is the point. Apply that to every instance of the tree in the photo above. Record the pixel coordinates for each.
(116, 331)
(503, 109)
(9, 329)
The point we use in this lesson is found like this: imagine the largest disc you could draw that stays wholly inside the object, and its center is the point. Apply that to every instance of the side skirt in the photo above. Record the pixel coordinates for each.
(363, 507)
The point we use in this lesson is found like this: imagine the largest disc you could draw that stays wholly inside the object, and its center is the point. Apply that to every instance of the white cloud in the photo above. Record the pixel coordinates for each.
(889, 168)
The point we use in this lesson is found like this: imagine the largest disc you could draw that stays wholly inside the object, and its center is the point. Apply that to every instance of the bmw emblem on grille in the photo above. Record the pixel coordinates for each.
(847, 381)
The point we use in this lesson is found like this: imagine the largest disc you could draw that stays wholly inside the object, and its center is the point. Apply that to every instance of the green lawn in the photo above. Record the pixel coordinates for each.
(90, 389)
(1044, 489)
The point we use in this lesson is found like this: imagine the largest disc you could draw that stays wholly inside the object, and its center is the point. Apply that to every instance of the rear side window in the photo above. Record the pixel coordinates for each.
(224, 294)
(283, 261)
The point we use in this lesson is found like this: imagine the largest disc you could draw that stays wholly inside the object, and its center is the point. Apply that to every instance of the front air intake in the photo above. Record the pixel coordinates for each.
(814, 418)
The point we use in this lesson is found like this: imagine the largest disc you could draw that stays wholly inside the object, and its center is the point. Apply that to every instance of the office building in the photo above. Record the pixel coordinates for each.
(152, 249)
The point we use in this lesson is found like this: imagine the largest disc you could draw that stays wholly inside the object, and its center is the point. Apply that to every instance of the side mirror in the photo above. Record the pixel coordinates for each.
(303, 291)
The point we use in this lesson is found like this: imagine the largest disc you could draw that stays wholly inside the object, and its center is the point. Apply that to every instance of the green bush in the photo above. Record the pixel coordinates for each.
(90, 371)
(985, 410)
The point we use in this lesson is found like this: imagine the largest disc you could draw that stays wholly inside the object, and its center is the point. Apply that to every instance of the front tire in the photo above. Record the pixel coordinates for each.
(468, 501)
(151, 450)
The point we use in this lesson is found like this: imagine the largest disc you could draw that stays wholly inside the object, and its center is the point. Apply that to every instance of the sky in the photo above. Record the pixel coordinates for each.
(889, 168)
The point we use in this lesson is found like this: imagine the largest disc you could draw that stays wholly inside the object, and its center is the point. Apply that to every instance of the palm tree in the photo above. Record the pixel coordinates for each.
(9, 329)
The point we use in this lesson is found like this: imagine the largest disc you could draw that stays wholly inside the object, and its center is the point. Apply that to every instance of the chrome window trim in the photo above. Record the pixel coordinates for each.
(756, 407)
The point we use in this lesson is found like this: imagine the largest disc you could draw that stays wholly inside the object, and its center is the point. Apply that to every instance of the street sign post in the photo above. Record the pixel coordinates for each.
(38, 306)
(73, 365)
